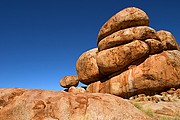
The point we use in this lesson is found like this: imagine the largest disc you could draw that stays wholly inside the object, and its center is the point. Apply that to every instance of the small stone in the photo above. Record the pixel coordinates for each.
(164, 94)
(69, 81)
(171, 91)
(76, 90)
(141, 95)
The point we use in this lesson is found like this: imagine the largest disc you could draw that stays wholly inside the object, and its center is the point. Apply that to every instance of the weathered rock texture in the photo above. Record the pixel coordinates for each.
(114, 59)
(127, 35)
(68, 81)
(162, 110)
(168, 40)
(156, 73)
(87, 68)
(76, 90)
(155, 46)
(131, 58)
(21, 104)
(128, 17)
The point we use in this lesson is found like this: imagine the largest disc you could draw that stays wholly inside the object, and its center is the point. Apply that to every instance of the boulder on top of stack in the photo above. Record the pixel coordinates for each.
(126, 18)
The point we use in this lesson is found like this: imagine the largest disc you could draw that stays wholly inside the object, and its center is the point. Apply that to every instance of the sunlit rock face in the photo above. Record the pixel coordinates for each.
(131, 57)
(23, 104)
(128, 17)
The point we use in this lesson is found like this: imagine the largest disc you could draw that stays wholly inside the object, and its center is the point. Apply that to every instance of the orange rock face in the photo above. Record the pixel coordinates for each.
(69, 81)
(155, 46)
(168, 40)
(132, 58)
(128, 17)
(127, 35)
(156, 73)
(22, 104)
(115, 59)
(87, 68)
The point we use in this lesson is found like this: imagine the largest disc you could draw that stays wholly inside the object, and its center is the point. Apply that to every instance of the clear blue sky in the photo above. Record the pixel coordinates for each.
(40, 40)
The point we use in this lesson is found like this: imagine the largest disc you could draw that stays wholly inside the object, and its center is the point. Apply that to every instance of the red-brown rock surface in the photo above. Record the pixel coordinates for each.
(22, 104)
(156, 73)
(155, 46)
(128, 17)
(127, 35)
(168, 40)
(162, 110)
(87, 68)
(114, 59)
(68, 81)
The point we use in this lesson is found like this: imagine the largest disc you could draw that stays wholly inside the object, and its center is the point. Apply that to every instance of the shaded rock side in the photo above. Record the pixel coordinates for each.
(87, 68)
(127, 35)
(156, 73)
(115, 59)
(168, 40)
(68, 81)
(155, 46)
(21, 104)
(128, 17)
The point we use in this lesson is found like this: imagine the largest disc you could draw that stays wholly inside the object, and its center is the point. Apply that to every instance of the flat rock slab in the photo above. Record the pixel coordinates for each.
(22, 104)
(128, 17)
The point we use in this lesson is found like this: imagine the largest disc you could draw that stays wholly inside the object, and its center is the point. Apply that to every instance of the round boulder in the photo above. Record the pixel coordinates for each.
(69, 81)
(116, 58)
(87, 68)
(128, 17)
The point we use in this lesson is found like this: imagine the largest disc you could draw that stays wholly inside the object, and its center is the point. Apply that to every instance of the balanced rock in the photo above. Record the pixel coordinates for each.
(69, 81)
(116, 58)
(168, 40)
(22, 104)
(156, 73)
(128, 17)
(127, 35)
(87, 68)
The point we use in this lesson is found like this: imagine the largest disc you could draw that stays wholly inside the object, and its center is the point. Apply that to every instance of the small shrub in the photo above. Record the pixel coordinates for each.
(148, 111)
(138, 106)
(170, 118)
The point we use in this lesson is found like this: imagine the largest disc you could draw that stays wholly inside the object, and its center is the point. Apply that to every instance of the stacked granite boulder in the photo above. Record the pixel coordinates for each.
(131, 58)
